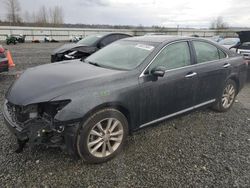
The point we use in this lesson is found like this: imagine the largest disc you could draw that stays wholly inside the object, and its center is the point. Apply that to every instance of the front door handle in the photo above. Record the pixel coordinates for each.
(190, 75)
(226, 65)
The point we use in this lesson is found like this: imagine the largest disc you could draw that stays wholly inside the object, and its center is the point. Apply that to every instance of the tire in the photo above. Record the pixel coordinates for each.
(227, 97)
(102, 136)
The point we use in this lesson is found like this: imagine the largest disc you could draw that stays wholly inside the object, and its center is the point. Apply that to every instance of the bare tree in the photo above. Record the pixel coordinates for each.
(218, 24)
(56, 15)
(27, 17)
(13, 10)
(42, 17)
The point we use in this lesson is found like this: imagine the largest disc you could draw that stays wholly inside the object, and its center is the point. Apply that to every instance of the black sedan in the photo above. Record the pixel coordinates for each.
(4, 66)
(89, 107)
(86, 46)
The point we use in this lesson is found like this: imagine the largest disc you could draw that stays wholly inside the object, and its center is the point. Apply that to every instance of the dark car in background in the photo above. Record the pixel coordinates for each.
(243, 47)
(4, 67)
(89, 107)
(86, 46)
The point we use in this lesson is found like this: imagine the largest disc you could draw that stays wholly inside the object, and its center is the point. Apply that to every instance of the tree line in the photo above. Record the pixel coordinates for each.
(54, 16)
(43, 17)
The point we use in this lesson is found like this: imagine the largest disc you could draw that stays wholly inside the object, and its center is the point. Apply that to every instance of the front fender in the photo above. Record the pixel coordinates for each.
(78, 107)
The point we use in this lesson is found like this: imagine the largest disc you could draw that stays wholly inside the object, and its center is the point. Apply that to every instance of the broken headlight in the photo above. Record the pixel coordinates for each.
(52, 108)
(24, 113)
(31, 110)
(70, 55)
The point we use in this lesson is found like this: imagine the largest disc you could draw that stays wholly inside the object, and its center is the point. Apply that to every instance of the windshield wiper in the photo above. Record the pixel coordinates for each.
(93, 63)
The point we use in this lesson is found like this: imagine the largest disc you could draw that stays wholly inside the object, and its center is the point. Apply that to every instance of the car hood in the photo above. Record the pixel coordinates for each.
(244, 36)
(46, 82)
(74, 46)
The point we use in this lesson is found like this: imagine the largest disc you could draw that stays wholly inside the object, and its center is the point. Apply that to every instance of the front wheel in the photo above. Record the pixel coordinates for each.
(227, 98)
(102, 136)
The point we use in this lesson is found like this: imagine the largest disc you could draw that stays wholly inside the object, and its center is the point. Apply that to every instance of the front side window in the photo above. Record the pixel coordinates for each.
(207, 52)
(174, 56)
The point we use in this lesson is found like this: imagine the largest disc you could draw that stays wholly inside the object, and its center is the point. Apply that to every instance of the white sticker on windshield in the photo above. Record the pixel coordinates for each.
(145, 47)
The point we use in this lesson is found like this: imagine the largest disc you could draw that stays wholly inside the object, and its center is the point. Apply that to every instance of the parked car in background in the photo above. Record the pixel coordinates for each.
(14, 39)
(216, 38)
(86, 46)
(195, 35)
(158, 33)
(88, 107)
(243, 47)
(21, 38)
(4, 67)
(49, 39)
(75, 38)
(229, 42)
(11, 39)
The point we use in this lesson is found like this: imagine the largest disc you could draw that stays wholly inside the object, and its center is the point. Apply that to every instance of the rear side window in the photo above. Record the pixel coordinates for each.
(207, 52)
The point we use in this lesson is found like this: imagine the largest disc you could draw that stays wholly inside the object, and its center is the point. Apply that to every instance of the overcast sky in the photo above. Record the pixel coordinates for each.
(169, 13)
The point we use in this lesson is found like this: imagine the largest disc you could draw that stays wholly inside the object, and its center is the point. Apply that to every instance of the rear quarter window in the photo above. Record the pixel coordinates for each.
(206, 52)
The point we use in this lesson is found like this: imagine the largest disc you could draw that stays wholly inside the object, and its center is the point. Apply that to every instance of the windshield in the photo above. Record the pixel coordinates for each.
(229, 41)
(89, 40)
(125, 55)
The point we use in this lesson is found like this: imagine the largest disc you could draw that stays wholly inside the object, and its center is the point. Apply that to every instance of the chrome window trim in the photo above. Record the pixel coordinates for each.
(177, 113)
(197, 64)
(142, 74)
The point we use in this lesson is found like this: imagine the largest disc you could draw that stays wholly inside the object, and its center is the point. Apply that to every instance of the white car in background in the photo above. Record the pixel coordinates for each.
(229, 42)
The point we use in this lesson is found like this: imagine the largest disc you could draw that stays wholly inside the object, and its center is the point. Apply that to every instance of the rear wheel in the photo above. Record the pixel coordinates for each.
(227, 98)
(102, 136)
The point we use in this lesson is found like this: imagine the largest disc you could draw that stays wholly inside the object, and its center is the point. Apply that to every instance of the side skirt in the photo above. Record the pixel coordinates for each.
(177, 113)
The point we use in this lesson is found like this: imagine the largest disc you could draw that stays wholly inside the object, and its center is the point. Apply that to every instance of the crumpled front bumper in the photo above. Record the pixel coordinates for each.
(41, 132)
(14, 128)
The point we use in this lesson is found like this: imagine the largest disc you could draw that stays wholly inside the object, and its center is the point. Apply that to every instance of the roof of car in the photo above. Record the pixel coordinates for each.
(157, 38)
(110, 33)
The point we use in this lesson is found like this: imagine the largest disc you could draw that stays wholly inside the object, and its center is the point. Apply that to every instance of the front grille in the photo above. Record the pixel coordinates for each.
(16, 114)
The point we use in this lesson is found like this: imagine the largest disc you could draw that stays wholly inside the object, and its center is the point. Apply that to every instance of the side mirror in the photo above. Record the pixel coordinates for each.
(158, 71)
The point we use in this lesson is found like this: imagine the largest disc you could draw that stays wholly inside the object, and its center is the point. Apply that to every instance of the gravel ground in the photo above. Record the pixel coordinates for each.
(202, 149)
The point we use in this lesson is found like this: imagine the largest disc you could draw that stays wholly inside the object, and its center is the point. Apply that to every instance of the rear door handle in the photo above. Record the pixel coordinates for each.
(226, 65)
(191, 74)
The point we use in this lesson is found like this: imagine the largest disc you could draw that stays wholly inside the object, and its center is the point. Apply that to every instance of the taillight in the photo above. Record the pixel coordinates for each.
(1, 49)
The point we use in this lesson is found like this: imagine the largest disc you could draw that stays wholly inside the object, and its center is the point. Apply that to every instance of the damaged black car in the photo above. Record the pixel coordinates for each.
(88, 107)
(86, 46)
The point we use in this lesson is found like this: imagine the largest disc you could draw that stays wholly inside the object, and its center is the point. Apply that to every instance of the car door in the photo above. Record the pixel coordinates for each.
(172, 93)
(212, 69)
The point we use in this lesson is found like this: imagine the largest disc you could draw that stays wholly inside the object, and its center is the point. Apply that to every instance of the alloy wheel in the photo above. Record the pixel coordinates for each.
(228, 96)
(105, 137)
